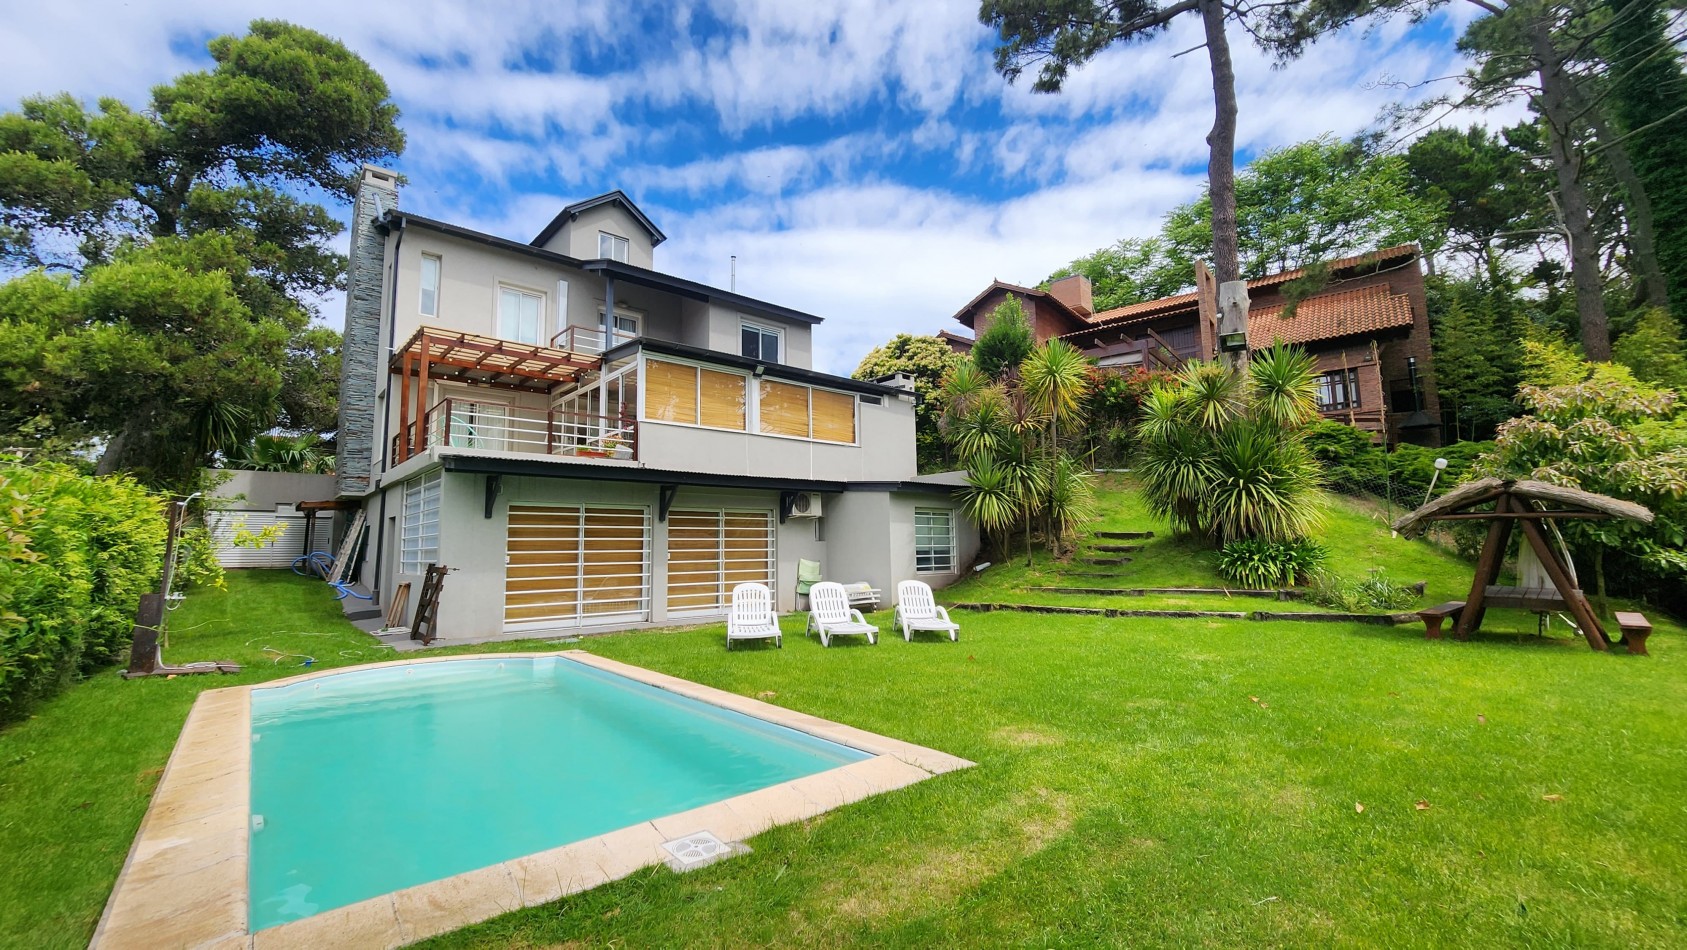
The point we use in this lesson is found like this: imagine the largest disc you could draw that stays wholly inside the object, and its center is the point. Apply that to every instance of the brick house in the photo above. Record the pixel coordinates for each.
(1367, 327)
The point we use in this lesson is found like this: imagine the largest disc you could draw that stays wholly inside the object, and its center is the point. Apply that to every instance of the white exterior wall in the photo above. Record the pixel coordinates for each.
(578, 238)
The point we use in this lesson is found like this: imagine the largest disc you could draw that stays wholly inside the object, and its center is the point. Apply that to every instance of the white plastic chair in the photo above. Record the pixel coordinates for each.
(830, 613)
(916, 609)
(752, 616)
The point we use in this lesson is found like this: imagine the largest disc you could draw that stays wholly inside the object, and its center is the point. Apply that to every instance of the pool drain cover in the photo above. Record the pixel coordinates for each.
(693, 851)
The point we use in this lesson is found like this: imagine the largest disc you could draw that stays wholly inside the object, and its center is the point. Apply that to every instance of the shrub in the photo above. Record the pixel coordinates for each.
(1261, 564)
(79, 552)
(1375, 592)
(196, 561)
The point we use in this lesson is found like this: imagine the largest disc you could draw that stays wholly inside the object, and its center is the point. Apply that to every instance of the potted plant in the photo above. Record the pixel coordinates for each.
(617, 447)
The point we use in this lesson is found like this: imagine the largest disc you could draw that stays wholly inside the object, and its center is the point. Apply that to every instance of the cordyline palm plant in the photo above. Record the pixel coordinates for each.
(1006, 431)
(1223, 457)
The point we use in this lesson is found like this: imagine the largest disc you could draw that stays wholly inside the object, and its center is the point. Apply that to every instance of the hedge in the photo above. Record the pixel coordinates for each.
(78, 553)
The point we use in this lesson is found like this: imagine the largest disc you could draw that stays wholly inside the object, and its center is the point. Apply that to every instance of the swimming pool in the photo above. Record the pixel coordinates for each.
(370, 781)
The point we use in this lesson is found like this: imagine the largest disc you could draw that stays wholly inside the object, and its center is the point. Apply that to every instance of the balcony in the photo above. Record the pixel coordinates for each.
(460, 424)
(588, 341)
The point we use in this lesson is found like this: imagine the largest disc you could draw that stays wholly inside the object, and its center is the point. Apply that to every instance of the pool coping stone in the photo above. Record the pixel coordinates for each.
(184, 883)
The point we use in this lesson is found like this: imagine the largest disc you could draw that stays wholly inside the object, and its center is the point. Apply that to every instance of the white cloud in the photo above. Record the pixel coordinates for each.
(861, 157)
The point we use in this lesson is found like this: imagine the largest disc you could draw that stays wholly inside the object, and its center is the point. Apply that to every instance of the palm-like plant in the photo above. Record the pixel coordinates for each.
(1071, 500)
(1222, 456)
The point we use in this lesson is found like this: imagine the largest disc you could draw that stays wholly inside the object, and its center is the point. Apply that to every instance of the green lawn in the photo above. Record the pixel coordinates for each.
(1144, 782)
(1355, 533)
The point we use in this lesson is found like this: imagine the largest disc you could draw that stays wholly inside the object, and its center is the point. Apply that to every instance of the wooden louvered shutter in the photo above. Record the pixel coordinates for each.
(670, 392)
(834, 416)
(723, 400)
(783, 409)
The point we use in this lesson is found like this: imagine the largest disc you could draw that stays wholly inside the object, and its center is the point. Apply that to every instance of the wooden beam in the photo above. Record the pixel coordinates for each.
(421, 397)
(1487, 571)
(403, 411)
(1573, 597)
(1519, 516)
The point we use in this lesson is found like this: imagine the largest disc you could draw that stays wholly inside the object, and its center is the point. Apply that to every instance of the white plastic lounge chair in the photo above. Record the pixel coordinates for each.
(752, 616)
(916, 609)
(830, 613)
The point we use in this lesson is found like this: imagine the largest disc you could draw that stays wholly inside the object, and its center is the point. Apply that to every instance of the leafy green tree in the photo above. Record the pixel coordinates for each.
(928, 360)
(213, 177)
(1006, 340)
(281, 453)
(1610, 434)
(1133, 270)
(159, 357)
(1491, 199)
(1653, 351)
(1649, 106)
(1306, 203)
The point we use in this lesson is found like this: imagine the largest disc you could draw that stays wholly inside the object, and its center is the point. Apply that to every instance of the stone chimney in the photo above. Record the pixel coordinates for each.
(362, 351)
(1075, 293)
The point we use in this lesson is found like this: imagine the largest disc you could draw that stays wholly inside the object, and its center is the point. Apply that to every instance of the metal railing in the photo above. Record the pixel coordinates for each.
(589, 340)
(473, 425)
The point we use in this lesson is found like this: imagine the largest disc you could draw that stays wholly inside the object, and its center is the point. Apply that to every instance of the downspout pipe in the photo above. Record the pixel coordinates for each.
(386, 408)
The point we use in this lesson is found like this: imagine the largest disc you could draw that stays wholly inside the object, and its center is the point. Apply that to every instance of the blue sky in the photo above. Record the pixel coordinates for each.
(861, 159)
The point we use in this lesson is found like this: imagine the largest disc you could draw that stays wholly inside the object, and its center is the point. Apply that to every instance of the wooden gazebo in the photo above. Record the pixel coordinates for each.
(1524, 504)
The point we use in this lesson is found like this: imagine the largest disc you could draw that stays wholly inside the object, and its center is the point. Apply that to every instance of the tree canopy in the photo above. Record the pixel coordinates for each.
(180, 250)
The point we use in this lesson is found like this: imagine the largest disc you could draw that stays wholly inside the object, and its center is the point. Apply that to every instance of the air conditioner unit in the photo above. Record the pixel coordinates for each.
(806, 505)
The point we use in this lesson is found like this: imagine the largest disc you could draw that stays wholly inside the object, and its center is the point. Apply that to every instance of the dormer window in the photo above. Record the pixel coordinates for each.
(759, 342)
(611, 246)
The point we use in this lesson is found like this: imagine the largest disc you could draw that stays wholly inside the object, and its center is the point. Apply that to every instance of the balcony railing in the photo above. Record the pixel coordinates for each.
(589, 340)
(463, 424)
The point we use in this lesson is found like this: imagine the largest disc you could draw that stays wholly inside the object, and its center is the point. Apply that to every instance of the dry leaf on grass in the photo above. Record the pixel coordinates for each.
(766, 694)
(1422, 805)
(1554, 797)
(1481, 719)
(1359, 807)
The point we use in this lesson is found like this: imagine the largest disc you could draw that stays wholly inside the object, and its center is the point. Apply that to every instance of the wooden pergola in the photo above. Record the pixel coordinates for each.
(1525, 505)
(434, 353)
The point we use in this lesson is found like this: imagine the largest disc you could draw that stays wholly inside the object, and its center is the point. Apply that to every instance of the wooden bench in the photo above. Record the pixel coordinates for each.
(1433, 616)
(1636, 628)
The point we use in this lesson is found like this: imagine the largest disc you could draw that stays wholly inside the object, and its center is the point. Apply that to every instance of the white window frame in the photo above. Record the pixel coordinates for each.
(616, 243)
(778, 334)
(418, 544)
(423, 290)
(719, 574)
(942, 546)
(636, 316)
(539, 313)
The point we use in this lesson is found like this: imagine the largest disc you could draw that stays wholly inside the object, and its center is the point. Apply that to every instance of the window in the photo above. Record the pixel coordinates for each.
(783, 409)
(711, 551)
(834, 416)
(1338, 390)
(430, 286)
(626, 326)
(612, 246)
(676, 392)
(760, 343)
(934, 541)
(419, 532)
(519, 315)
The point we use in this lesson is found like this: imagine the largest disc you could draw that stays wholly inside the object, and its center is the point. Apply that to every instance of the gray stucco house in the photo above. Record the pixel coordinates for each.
(591, 443)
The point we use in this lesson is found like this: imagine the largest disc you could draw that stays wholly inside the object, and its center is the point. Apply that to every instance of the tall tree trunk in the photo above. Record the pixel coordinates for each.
(1221, 145)
(1638, 207)
(112, 458)
(1554, 102)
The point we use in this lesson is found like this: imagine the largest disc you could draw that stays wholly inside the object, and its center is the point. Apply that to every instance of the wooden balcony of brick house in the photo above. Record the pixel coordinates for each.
(433, 354)
(1149, 351)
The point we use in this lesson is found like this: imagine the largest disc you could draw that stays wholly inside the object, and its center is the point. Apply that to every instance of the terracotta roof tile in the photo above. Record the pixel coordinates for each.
(1329, 315)
(1172, 304)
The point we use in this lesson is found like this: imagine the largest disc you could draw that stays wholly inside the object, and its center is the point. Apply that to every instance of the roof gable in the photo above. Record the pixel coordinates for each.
(616, 197)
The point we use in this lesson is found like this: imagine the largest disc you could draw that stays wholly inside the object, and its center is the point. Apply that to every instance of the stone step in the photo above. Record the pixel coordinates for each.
(1125, 535)
(1105, 561)
(1116, 548)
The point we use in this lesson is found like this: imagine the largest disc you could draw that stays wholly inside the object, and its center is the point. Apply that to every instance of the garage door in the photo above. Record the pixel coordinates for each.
(577, 566)
(712, 550)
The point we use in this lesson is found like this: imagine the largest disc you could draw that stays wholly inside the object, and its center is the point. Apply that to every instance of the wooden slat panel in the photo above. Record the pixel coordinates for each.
(783, 409)
(723, 397)
(834, 416)
(549, 548)
(670, 391)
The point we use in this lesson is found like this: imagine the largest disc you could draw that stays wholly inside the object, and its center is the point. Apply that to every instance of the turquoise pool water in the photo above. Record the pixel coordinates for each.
(375, 780)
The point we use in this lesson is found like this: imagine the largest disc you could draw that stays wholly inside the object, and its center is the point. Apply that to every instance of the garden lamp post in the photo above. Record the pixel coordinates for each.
(1440, 466)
